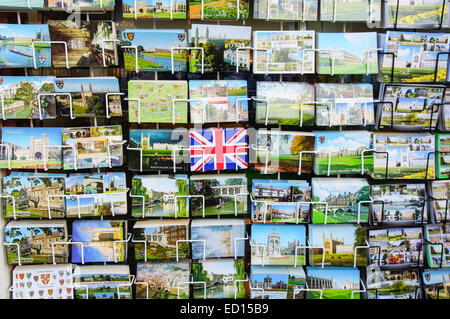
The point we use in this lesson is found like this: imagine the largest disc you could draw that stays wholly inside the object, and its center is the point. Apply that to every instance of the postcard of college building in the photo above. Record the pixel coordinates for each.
(333, 283)
(220, 276)
(160, 149)
(215, 101)
(435, 282)
(217, 238)
(352, 11)
(17, 43)
(157, 50)
(284, 103)
(289, 10)
(347, 53)
(101, 239)
(158, 101)
(84, 5)
(22, 4)
(32, 240)
(275, 201)
(443, 158)
(156, 9)
(417, 14)
(338, 243)
(284, 52)
(218, 9)
(28, 147)
(438, 237)
(440, 190)
(343, 196)
(163, 280)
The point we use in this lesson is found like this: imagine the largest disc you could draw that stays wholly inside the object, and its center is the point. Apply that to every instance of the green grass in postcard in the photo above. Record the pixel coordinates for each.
(333, 294)
(319, 218)
(290, 261)
(339, 260)
(345, 164)
(227, 209)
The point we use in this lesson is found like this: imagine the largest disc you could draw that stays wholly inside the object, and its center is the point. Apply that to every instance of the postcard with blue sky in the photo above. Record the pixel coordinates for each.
(335, 282)
(82, 4)
(22, 4)
(156, 9)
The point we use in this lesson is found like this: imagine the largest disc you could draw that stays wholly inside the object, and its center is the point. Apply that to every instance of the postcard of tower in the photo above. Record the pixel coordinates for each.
(350, 11)
(436, 282)
(215, 195)
(35, 196)
(217, 238)
(333, 283)
(440, 190)
(437, 251)
(29, 147)
(158, 101)
(218, 9)
(84, 5)
(221, 277)
(284, 103)
(220, 44)
(416, 57)
(344, 104)
(396, 247)
(89, 43)
(337, 243)
(20, 96)
(156, 9)
(343, 196)
(404, 155)
(163, 280)
(284, 52)
(298, 10)
(101, 239)
(32, 240)
(443, 158)
(280, 201)
(277, 245)
(157, 50)
(279, 151)
(100, 146)
(22, 4)
(417, 14)
(399, 204)
(102, 282)
(161, 239)
(17, 43)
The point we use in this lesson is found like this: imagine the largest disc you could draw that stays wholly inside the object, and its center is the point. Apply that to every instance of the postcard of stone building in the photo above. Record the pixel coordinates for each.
(298, 10)
(435, 283)
(417, 14)
(162, 9)
(333, 283)
(443, 158)
(84, 5)
(440, 190)
(218, 9)
(350, 11)
(437, 252)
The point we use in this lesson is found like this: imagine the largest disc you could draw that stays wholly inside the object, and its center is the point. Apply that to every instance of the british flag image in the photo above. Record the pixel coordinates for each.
(218, 149)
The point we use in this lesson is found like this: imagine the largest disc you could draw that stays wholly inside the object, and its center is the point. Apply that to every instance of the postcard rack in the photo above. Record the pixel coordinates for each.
(437, 27)
(435, 155)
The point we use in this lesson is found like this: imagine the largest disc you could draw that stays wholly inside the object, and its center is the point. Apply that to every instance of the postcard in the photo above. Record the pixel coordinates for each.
(278, 151)
(31, 147)
(343, 196)
(333, 283)
(101, 239)
(216, 101)
(157, 50)
(445, 117)
(33, 240)
(347, 53)
(280, 201)
(161, 239)
(396, 247)
(284, 52)
(163, 280)
(351, 11)
(102, 282)
(338, 243)
(217, 238)
(399, 204)
(438, 245)
(17, 46)
(404, 156)
(215, 195)
(218, 9)
(220, 277)
(342, 152)
(435, 282)
(22, 4)
(166, 9)
(440, 191)
(220, 43)
(416, 56)
(443, 158)
(417, 15)
(42, 282)
(295, 10)
(155, 150)
(284, 103)
(158, 101)
(85, 5)
(99, 146)
(218, 149)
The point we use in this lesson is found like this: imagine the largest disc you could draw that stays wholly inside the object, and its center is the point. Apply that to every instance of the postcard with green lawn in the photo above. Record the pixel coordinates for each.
(161, 239)
(218, 9)
(343, 196)
(277, 245)
(396, 247)
(22, 4)
(284, 103)
(163, 280)
(443, 158)
(409, 156)
(435, 283)
(419, 14)
(157, 50)
(416, 57)
(220, 276)
(337, 243)
(440, 192)
(216, 101)
(103, 241)
(155, 9)
(280, 201)
(438, 245)
(32, 241)
(286, 10)
(83, 5)
(157, 101)
(397, 204)
(351, 11)
(284, 52)
(333, 283)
